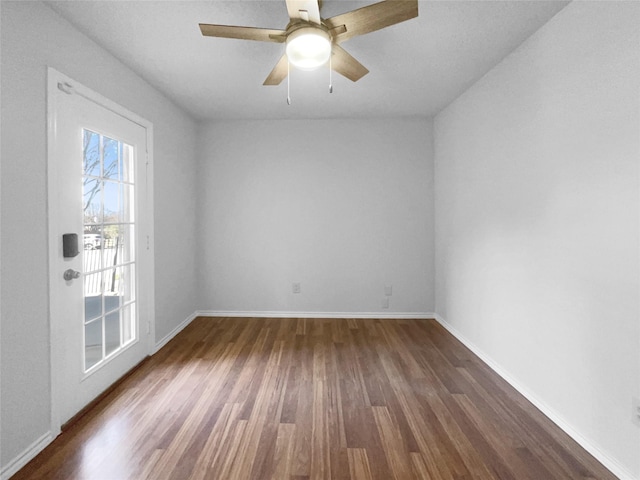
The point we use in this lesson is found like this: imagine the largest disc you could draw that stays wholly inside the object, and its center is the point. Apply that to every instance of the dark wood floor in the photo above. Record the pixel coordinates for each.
(282, 399)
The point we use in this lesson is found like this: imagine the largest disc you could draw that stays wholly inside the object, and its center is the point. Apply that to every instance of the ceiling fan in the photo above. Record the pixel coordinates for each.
(311, 41)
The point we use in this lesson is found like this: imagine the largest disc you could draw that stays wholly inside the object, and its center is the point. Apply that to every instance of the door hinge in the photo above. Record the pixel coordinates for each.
(148, 241)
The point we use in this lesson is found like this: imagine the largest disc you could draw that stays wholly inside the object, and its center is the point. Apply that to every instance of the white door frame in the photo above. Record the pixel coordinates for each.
(56, 82)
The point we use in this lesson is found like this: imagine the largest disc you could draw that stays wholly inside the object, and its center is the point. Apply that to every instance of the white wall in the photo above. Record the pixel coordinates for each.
(34, 37)
(537, 212)
(341, 206)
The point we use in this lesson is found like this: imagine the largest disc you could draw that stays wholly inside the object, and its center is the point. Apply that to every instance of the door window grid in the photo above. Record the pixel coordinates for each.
(109, 233)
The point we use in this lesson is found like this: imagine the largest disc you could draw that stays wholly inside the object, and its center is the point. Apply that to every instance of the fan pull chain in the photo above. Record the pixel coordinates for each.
(330, 74)
(288, 82)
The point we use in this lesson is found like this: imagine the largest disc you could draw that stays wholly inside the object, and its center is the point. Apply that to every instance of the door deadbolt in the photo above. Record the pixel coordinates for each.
(71, 274)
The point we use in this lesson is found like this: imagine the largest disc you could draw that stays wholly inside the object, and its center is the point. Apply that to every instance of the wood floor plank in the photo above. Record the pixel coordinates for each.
(359, 464)
(393, 444)
(232, 456)
(420, 469)
(287, 399)
(218, 436)
(259, 416)
(284, 451)
(320, 447)
(426, 432)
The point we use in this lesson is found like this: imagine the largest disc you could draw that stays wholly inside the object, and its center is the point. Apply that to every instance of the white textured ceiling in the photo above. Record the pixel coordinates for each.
(416, 67)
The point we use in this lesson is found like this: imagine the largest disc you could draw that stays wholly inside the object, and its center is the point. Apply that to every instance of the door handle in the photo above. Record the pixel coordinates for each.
(71, 274)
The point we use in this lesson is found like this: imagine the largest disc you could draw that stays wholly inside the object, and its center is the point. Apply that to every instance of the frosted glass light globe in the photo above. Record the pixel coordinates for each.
(308, 48)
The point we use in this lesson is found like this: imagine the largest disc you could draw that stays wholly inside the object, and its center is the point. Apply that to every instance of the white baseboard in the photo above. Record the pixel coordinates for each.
(25, 457)
(611, 464)
(236, 314)
(167, 338)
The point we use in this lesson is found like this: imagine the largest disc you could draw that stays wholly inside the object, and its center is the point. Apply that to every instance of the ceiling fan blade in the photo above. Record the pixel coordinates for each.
(279, 72)
(307, 10)
(243, 33)
(343, 63)
(373, 17)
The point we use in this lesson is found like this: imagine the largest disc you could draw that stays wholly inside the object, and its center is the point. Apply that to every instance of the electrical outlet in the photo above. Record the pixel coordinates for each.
(385, 302)
(296, 287)
(635, 402)
(388, 290)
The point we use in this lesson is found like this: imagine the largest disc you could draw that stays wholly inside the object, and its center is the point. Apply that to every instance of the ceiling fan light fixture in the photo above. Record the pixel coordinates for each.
(308, 48)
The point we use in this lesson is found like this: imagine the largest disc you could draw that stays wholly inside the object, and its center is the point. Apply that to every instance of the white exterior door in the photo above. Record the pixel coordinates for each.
(101, 263)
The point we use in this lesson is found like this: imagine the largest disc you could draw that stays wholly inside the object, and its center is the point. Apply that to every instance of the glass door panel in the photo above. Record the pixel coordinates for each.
(109, 261)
